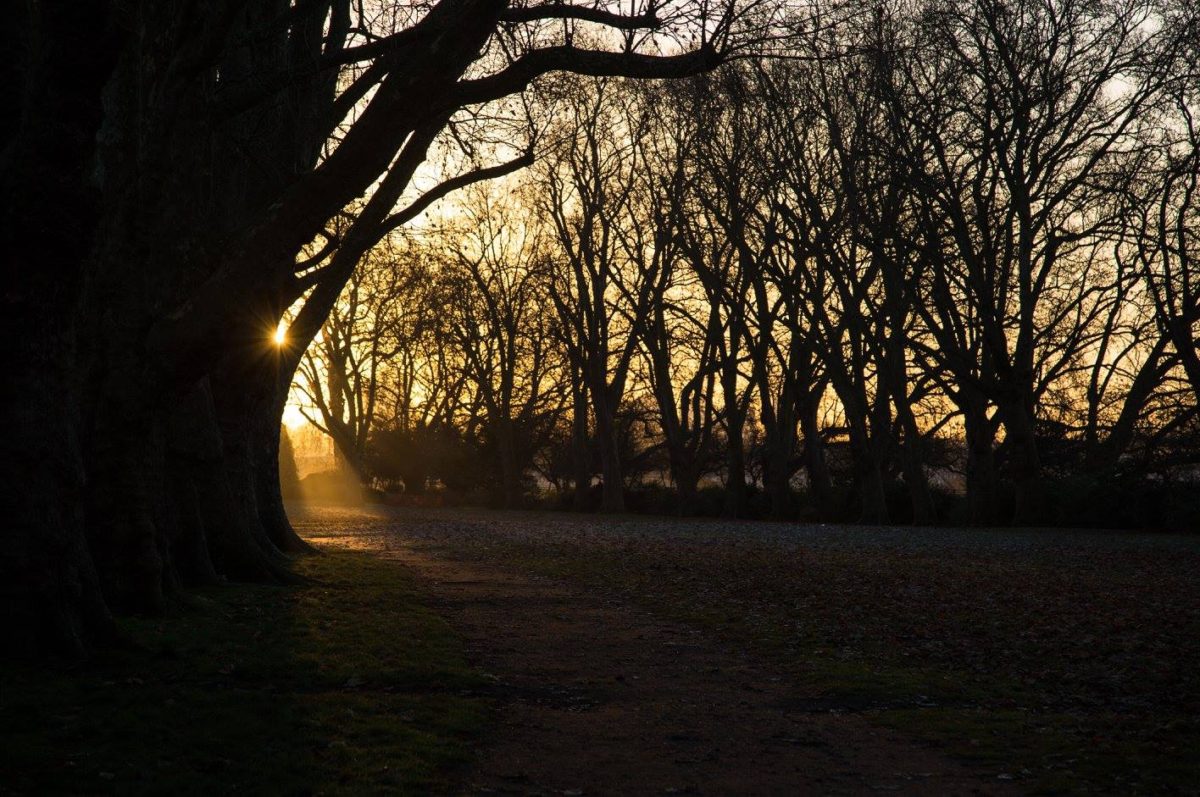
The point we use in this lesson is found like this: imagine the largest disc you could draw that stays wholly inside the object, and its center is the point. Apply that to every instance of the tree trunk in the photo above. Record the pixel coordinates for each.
(1104, 455)
(981, 465)
(735, 447)
(50, 597)
(779, 429)
(735, 471)
(251, 392)
(56, 57)
(685, 476)
(868, 469)
(126, 456)
(236, 542)
(815, 463)
(913, 468)
(612, 499)
(510, 477)
(581, 457)
(777, 480)
(1024, 462)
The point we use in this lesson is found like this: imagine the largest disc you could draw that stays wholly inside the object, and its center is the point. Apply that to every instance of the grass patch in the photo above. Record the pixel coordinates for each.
(1056, 753)
(347, 686)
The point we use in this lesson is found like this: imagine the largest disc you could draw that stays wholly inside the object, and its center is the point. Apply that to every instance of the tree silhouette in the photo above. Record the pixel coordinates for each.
(169, 172)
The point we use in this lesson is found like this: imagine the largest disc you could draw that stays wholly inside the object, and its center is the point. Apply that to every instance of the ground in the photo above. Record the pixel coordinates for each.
(347, 685)
(466, 651)
(636, 654)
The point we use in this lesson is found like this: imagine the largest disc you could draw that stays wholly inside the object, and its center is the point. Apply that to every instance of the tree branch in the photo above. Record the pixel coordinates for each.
(596, 63)
(600, 17)
(461, 181)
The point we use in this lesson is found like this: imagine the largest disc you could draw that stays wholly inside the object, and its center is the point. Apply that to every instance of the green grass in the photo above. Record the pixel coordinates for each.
(346, 686)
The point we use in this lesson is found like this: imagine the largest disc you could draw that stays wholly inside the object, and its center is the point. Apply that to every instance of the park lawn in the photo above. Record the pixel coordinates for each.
(347, 685)
(1060, 677)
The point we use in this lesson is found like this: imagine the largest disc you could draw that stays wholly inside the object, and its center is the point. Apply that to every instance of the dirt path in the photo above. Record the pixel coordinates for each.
(595, 697)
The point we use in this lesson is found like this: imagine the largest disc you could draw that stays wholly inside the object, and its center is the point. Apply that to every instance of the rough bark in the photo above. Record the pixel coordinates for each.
(250, 395)
(56, 57)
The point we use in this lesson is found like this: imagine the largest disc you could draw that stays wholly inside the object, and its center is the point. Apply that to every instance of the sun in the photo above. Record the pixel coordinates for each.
(280, 335)
(293, 418)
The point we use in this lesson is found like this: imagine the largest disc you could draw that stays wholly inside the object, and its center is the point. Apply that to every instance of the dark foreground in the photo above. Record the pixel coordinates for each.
(348, 686)
(457, 651)
(650, 655)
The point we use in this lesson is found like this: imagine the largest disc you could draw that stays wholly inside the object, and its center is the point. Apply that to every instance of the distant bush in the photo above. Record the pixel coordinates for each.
(415, 460)
(1117, 502)
(332, 487)
(289, 475)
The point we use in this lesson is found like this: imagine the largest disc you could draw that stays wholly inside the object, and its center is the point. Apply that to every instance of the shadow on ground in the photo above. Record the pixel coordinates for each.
(348, 685)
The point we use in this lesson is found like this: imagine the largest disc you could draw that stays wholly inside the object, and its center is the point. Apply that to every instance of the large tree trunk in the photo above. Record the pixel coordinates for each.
(127, 492)
(50, 598)
(237, 543)
(56, 57)
(271, 510)
(250, 392)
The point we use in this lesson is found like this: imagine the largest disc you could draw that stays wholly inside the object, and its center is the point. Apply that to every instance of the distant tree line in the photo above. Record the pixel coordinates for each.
(943, 246)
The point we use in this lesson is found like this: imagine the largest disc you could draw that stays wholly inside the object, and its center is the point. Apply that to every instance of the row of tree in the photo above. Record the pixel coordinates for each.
(954, 235)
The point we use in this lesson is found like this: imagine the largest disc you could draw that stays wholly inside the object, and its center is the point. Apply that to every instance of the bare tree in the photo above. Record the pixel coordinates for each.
(681, 335)
(1015, 121)
(497, 304)
(195, 157)
(601, 302)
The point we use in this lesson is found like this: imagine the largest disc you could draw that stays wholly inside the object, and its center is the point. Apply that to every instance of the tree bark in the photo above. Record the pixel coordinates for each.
(581, 456)
(250, 391)
(612, 499)
(981, 464)
(1023, 461)
(735, 448)
(912, 465)
(510, 477)
(57, 57)
(50, 597)
(814, 460)
(868, 469)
